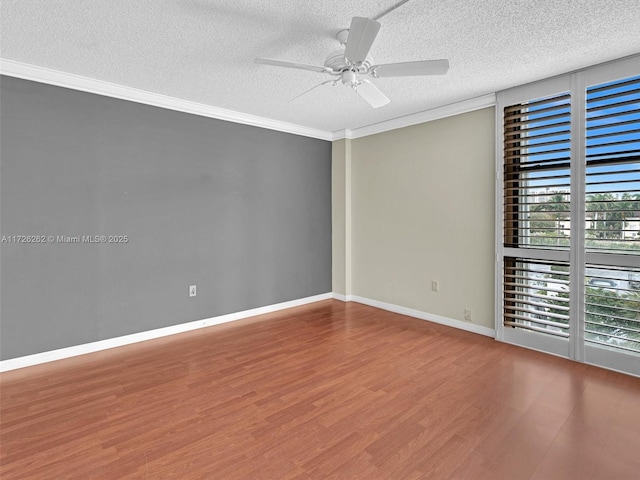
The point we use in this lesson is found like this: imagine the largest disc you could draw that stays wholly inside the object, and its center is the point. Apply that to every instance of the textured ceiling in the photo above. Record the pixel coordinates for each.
(203, 50)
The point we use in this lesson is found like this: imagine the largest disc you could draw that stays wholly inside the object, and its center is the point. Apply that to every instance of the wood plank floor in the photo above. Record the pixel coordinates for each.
(325, 391)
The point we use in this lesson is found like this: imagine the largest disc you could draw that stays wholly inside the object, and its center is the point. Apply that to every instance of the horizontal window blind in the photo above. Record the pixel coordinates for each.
(537, 154)
(536, 295)
(612, 307)
(613, 167)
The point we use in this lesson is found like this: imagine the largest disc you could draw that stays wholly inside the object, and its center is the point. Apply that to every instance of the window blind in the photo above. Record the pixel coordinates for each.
(613, 167)
(537, 155)
(536, 295)
(612, 307)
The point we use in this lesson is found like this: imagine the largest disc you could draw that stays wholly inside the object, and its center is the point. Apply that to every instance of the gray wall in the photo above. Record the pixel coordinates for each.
(243, 212)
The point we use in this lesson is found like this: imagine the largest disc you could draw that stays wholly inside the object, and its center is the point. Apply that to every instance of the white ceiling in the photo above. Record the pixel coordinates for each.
(203, 50)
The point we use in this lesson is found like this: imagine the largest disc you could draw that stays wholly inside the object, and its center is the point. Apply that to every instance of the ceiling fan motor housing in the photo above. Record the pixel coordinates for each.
(335, 61)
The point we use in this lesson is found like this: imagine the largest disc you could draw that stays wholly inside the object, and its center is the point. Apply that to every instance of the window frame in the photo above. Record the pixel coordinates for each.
(577, 258)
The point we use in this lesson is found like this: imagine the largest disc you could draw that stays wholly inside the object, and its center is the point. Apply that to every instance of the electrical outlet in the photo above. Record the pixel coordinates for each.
(435, 285)
(467, 314)
(192, 291)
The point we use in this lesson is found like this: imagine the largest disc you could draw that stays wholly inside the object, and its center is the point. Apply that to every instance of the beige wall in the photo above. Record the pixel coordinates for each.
(341, 263)
(422, 209)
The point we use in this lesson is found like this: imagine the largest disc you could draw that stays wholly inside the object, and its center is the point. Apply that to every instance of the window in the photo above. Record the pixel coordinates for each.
(569, 246)
(536, 296)
(612, 308)
(613, 167)
(537, 155)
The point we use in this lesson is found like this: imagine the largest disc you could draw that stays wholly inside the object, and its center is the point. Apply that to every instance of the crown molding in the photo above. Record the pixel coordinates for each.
(58, 78)
(437, 113)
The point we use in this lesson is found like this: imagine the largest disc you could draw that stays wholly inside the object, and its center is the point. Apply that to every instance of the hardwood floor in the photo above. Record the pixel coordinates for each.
(325, 391)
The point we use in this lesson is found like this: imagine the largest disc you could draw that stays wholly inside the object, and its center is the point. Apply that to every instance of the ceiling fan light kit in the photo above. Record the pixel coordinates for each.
(350, 64)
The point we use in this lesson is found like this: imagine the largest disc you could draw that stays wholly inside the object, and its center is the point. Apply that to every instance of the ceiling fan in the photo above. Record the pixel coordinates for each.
(352, 63)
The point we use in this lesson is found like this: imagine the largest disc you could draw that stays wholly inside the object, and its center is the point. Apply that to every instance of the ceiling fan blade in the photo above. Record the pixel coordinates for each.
(407, 69)
(300, 66)
(362, 33)
(371, 94)
(316, 86)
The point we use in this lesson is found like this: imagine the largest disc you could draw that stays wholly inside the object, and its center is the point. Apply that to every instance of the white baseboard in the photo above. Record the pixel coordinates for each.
(449, 322)
(50, 356)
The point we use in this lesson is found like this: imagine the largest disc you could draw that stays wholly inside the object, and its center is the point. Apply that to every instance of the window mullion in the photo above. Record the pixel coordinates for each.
(499, 225)
(577, 211)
